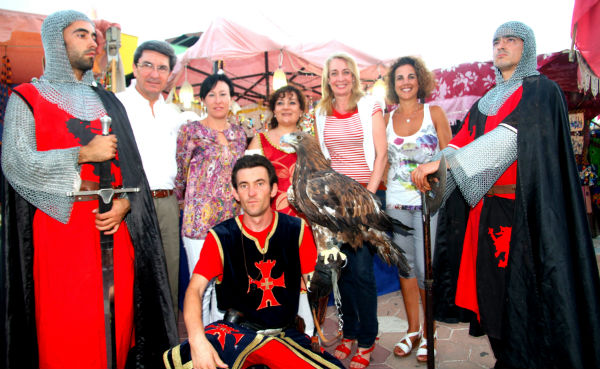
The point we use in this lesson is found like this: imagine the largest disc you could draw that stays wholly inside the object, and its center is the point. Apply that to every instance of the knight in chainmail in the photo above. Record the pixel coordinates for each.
(51, 261)
(513, 234)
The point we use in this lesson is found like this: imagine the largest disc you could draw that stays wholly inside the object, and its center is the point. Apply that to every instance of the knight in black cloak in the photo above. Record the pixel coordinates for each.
(527, 269)
(52, 311)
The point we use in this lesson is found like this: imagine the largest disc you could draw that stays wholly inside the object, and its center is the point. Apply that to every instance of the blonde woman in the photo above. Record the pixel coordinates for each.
(351, 133)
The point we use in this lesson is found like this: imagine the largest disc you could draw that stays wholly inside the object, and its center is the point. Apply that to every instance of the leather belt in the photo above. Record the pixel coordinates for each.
(502, 189)
(89, 186)
(159, 194)
(236, 317)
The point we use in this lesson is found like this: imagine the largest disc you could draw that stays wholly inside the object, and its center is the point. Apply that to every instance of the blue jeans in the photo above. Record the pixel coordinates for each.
(359, 296)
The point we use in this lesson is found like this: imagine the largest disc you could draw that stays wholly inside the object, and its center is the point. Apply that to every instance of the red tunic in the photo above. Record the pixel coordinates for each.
(284, 164)
(210, 263)
(67, 264)
(466, 292)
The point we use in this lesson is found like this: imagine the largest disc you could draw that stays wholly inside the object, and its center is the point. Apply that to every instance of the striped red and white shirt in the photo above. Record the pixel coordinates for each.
(343, 136)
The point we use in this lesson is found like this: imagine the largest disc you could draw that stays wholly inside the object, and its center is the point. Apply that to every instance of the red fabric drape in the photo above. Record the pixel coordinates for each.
(586, 15)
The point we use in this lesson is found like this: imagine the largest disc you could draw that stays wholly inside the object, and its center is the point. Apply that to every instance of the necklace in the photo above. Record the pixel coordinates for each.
(251, 286)
(410, 116)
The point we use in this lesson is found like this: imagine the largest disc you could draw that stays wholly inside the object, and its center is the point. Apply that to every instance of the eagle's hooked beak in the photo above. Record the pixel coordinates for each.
(287, 139)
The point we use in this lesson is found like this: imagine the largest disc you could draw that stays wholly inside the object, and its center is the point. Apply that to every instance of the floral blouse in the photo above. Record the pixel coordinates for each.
(203, 181)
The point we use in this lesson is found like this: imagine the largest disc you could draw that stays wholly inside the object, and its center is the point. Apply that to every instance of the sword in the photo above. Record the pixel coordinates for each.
(105, 197)
(431, 202)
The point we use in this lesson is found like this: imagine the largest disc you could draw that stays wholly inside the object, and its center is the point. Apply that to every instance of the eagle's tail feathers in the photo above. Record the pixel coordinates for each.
(401, 262)
(400, 227)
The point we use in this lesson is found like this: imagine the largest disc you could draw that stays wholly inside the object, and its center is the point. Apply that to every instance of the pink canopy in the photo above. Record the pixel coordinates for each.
(584, 28)
(584, 31)
(250, 58)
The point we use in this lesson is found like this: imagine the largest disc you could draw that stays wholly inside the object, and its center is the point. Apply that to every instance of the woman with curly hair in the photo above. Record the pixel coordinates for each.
(415, 132)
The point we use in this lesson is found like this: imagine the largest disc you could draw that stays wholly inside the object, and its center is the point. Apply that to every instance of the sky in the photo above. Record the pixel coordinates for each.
(443, 33)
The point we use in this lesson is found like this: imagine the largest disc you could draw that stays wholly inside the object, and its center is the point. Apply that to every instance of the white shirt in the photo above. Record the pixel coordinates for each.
(156, 136)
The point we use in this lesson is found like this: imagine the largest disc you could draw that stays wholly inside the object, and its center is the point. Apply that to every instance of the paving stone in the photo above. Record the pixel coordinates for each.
(389, 324)
(458, 364)
(462, 335)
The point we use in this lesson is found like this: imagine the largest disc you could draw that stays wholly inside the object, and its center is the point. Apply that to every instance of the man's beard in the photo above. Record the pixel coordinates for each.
(81, 62)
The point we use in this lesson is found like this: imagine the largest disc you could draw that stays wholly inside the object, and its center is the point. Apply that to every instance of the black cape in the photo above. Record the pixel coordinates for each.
(551, 318)
(155, 326)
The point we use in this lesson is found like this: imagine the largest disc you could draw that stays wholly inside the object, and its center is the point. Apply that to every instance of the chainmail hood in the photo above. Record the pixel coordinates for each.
(58, 84)
(496, 97)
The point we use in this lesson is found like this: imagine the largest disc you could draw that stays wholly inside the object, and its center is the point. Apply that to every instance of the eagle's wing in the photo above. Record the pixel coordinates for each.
(342, 203)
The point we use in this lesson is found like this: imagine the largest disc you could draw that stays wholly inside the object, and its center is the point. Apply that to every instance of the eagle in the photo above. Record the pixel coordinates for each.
(339, 209)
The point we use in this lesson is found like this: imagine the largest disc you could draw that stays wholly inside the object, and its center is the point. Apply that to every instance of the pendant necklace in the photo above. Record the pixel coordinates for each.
(251, 286)
(411, 115)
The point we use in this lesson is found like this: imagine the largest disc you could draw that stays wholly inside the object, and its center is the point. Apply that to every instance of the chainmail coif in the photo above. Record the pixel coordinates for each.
(58, 84)
(496, 97)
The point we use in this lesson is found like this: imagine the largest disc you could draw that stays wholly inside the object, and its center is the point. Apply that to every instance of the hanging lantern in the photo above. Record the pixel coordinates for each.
(186, 92)
(379, 91)
(279, 79)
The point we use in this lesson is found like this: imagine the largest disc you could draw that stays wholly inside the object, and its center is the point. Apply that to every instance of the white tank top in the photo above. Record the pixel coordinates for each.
(404, 155)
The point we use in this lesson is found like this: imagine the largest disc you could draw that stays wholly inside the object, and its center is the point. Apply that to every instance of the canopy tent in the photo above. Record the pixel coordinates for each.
(249, 58)
(586, 18)
(459, 87)
(21, 44)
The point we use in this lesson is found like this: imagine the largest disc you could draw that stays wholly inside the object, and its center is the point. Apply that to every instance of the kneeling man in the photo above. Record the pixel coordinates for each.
(258, 259)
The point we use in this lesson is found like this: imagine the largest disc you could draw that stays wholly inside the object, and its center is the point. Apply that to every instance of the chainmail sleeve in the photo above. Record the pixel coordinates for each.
(42, 177)
(478, 165)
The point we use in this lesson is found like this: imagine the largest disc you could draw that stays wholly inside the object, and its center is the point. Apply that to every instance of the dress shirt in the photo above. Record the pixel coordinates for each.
(155, 134)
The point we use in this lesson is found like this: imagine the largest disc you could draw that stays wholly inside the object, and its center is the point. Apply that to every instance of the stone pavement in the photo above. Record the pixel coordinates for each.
(455, 348)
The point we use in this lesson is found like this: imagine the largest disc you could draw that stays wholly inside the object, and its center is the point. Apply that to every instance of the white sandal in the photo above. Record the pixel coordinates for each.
(422, 350)
(407, 347)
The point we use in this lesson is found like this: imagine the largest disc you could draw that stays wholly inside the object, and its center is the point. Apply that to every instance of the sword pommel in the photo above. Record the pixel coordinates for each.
(106, 121)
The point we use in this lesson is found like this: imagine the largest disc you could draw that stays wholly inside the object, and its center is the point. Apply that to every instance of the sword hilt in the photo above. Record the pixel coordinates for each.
(106, 194)
(106, 121)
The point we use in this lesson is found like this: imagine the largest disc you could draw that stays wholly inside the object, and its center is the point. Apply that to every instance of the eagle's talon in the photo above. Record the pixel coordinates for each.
(332, 256)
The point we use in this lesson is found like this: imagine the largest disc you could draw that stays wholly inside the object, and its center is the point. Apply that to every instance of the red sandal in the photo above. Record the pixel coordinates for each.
(359, 359)
(343, 348)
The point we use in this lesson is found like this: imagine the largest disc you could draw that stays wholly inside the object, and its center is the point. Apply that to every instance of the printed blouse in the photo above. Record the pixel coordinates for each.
(203, 181)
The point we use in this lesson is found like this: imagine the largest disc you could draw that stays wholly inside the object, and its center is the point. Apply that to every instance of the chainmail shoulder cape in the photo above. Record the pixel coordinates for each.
(58, 84)
(495, 98)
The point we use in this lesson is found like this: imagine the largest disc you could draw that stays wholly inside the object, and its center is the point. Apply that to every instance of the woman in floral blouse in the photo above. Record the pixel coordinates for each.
(206, 153)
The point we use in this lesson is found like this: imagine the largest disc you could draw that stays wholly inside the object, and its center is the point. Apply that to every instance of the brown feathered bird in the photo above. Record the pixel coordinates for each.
(338, 208)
